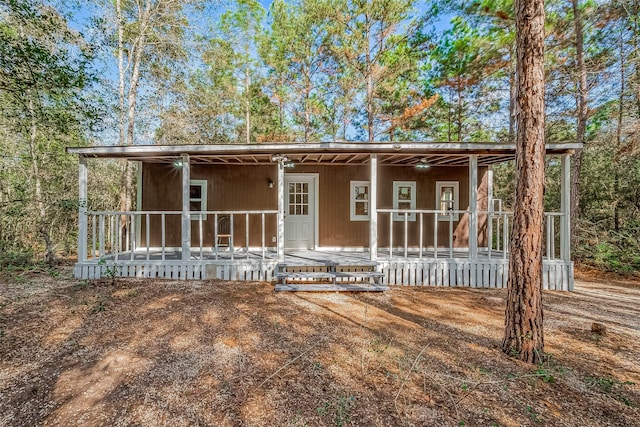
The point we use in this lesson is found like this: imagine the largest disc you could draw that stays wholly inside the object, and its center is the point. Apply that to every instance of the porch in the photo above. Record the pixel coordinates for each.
(423, 243)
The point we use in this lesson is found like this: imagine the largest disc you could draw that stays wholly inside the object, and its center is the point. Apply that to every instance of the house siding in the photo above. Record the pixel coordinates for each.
(245, 187)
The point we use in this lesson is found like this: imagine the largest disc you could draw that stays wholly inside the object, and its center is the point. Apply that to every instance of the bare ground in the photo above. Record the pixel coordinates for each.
(147, 353)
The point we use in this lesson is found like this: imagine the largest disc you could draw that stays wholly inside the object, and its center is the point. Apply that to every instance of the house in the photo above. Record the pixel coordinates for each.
(339, 215)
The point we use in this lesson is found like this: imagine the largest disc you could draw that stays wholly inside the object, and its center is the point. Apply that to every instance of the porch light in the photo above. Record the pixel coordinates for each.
(270, 183)
(423, 164)
(289, 164)
(177, 164)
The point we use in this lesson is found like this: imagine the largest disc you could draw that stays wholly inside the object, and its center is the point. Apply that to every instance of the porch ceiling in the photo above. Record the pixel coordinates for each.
(398, 154)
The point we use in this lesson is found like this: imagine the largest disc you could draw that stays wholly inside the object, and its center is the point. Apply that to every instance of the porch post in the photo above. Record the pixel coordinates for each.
(473, 206)
(565, 188)
(280, 248)
(490, 209)
(82, 209)
(186, 215)
(373, 207)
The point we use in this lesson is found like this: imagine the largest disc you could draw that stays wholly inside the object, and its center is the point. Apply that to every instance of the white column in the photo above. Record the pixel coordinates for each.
(373, 207)
(473, 206)
(280, 247)
(490, 209)
(139, 203)
(82, 209)
(565, 222)
(186, 216)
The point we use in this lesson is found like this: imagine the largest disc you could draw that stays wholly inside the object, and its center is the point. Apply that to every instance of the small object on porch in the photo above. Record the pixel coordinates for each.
(598, 328)
(224, 232)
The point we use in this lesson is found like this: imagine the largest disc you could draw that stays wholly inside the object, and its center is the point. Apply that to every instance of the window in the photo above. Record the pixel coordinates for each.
(298, 198)
(359, 204)
(198, 198)
(447, 194)
(404, 197)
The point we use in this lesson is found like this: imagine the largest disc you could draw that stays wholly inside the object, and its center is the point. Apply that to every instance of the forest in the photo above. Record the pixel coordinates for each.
(124, 72)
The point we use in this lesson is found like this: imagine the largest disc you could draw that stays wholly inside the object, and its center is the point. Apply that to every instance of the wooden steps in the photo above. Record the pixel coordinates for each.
(329, 277)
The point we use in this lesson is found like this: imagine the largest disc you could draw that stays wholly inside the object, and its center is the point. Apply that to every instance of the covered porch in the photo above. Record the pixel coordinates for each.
(445, 242)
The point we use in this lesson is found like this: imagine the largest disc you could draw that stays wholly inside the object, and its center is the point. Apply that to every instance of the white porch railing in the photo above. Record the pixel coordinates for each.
(494, 235)
(119, 236)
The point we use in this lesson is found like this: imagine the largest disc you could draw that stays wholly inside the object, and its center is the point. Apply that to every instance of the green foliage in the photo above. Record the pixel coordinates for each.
(45, 77)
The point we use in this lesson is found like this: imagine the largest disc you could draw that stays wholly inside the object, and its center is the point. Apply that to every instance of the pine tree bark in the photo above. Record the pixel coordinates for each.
(524, 336)
(581, 120)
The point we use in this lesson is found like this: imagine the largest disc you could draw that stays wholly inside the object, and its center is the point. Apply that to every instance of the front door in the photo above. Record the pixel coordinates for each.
(299, 211)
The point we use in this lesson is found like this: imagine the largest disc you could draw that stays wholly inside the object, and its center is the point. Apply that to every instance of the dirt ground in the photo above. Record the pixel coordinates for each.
(154, 353)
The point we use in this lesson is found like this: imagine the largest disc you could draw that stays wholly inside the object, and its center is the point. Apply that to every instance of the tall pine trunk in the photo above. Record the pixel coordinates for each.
(581, 120)
(616, 173)
(524, 336)
(43, 226)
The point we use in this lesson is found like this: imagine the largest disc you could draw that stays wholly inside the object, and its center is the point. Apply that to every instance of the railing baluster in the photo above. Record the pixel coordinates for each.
(127, 228)
(421, 234)
(101, 238)
(435, 235)
(505, 232)
(116, 232)
(548, 219)
(147, 226)
(391, 235)
(111, 237)
(200, 233)
(450, 235)
(263, 235)
(553, 238)
(162, 220)
(246, 219)
(132, 227)
(93, 236)
(232, 232)
(215, 235)
(406, 234)
(498, 240)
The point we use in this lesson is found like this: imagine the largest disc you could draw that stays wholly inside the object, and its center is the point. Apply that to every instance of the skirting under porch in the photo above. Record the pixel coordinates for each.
(483, 272)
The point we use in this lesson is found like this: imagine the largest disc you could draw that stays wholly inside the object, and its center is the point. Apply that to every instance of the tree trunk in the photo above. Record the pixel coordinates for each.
(616, 173)
(511, 139)
(459, 110)
(35, 170)
(524, 336)
(247, 105)
(581, 119)
(122, 135)
(369, 80)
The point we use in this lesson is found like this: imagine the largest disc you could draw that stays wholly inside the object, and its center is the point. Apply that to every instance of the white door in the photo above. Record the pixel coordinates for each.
(299, 211)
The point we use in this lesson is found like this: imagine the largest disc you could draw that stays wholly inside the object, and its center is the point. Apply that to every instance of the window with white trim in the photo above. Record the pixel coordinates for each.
(404, 197)
(198, 198)
(359, 204)
(447, 200)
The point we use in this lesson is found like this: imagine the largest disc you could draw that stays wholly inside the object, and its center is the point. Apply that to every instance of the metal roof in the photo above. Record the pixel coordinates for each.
(390, 153)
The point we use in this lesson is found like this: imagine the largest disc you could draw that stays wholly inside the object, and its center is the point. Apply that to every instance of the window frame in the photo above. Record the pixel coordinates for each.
(352, 200)
(456, 200)
(412, 199)
(202, 183)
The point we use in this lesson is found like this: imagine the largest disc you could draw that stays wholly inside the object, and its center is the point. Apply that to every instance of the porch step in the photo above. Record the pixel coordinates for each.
(355, 277)
(352, 287)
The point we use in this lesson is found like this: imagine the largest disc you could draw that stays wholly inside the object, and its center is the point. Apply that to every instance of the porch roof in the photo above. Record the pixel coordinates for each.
(390, 153)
